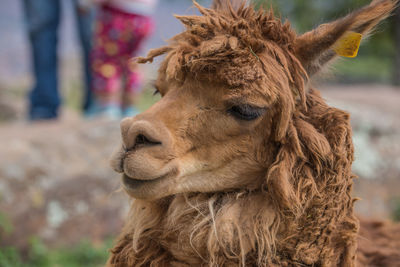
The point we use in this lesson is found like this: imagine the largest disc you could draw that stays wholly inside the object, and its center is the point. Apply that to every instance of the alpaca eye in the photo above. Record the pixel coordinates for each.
(246, 112)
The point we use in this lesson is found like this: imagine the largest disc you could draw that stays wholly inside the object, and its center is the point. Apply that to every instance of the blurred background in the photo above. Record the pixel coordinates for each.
(60, 203)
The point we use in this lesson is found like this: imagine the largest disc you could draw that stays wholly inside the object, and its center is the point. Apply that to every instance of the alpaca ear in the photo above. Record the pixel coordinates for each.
(316, 48)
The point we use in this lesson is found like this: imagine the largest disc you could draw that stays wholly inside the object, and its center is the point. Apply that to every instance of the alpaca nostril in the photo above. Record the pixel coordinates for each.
(142, 133)
(141, 140)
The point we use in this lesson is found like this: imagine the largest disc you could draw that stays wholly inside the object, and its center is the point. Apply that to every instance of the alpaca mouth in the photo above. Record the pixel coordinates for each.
(133, 184)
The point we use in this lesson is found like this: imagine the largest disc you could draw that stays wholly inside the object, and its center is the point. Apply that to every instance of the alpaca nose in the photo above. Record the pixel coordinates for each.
(138, 134)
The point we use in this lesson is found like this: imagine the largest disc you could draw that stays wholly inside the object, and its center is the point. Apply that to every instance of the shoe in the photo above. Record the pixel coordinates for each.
(111, 112)
(129, 112)
(108, 111)
(41, 114)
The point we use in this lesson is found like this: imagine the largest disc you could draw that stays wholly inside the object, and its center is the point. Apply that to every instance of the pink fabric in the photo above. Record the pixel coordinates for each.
(142, 7)
(118, 37)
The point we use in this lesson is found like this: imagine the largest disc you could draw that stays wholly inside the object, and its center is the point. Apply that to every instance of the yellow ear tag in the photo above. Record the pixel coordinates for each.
(348, 45)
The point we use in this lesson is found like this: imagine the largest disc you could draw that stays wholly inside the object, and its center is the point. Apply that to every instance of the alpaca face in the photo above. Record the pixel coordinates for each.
(197, 138)
(234, 87)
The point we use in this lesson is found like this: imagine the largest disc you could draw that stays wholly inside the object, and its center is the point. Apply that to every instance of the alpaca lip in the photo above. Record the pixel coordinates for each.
(132, 183)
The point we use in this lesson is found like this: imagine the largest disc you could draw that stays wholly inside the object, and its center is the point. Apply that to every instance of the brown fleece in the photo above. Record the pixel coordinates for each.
(302, 212)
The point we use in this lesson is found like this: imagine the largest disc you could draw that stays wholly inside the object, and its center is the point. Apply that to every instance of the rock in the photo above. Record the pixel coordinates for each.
(56, 184)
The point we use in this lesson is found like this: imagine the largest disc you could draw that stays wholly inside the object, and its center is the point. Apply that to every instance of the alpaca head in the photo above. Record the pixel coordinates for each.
(232, 85)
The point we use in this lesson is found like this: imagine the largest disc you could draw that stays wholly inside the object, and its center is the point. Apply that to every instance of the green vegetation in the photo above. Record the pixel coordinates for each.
(73, 94)
(147, 98)
(363, 70)
(39, 255)
(83, 254)
(6, 226)
(396, 209)
(375, 62)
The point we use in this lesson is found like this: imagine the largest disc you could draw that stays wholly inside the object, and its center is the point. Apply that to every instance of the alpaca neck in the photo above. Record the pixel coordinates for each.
(232, 229)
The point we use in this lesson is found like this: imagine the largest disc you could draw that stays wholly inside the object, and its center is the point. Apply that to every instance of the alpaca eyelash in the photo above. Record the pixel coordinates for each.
(155, 87)
(156, 92)
(246, 112)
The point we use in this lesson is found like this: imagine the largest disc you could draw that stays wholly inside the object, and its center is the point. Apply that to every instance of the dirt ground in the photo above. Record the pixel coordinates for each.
(55, 181)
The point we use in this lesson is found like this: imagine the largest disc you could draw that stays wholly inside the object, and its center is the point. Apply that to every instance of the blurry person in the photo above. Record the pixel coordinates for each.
(121, 28)
(43, 19)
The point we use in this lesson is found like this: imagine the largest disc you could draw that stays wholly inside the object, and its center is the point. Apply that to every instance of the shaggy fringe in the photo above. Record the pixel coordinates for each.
(228, 45)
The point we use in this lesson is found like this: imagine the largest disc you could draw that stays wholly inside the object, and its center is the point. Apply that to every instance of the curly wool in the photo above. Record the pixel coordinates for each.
(232, 47)
(302, 215)
(312, 224)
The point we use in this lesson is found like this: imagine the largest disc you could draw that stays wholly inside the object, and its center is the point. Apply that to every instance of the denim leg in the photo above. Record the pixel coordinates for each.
(85, 19)
(42, 19)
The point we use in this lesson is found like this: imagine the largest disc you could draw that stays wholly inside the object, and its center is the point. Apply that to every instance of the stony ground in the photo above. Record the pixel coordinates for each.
(55, 182)
(375, 113)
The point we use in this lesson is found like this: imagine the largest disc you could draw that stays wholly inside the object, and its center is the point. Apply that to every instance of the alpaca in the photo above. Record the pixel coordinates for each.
(242, 163)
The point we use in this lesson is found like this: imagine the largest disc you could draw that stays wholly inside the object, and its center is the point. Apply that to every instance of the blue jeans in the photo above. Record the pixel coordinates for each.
(43, 19)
